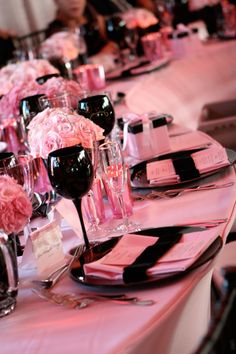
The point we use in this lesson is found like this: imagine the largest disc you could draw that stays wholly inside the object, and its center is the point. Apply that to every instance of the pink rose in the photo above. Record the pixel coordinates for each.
(15, 206)
(51, 141)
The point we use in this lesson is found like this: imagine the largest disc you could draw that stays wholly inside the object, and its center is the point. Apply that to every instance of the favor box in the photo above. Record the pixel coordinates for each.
(146, 136)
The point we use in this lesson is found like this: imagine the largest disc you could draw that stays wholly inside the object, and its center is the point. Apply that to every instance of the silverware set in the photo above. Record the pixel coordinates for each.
(72, 301)
(173, 193)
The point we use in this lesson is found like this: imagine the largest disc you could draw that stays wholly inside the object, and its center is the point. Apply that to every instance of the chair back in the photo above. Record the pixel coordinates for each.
(221, 336)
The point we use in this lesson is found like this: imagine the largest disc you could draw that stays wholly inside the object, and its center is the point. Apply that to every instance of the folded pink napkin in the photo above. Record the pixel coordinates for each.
(180, 257)
(175, 170)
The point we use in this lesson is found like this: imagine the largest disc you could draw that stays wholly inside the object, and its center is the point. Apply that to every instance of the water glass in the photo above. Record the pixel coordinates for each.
(9, 275)
(152, 46)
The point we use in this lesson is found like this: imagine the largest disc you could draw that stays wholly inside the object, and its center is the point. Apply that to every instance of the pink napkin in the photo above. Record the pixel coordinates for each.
(180, 257)
(163, 172)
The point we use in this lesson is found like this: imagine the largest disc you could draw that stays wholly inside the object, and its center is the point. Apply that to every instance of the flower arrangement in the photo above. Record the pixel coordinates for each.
(23, 72)
(15, 206)
(9, 103)
(139, 18)
(61, 44)
(55, 128)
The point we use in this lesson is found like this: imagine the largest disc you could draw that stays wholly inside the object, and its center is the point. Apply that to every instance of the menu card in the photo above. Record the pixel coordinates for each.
(180, 257)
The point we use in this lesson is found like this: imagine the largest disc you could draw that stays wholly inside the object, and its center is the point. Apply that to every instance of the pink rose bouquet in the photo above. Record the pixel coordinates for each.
(24, 72)
(139, 18)
(55, 128)
(61, 44)
(15, 206)
(9, 103)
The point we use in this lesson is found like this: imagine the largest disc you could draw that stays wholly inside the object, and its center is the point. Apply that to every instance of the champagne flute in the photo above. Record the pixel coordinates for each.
(114, 173)
(93, 200)
(71, 175)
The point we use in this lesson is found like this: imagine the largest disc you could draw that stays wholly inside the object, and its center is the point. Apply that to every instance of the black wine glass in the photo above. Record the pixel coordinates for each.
(7, 159)
(42, 79)
(115, 30)
(71, 174)
(29, 107)
(99, 109)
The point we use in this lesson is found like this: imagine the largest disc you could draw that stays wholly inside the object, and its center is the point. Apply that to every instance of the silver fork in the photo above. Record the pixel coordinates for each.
(73, 301)
(173, 193)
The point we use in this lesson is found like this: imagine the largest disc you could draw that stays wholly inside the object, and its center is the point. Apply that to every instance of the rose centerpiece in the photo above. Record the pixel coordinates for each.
(15, 205)
(56, 128)
(15, 211)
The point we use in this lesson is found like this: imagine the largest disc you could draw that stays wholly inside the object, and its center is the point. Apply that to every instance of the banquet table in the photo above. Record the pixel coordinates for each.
(184, 86)
(180, 315)
(173, 324)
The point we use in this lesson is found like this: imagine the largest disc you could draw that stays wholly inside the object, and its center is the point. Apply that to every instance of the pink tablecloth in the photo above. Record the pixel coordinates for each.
(185, 86)
(173, 324)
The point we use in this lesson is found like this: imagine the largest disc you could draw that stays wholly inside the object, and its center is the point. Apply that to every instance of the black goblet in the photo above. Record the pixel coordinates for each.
(115, 30)
(98, 109)
(7, 159)
(71, 174)
(42, 79)
(29, 107)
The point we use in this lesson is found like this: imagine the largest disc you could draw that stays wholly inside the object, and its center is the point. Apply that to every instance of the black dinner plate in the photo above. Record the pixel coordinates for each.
(143, 67)
(138, 171)
(100, 250)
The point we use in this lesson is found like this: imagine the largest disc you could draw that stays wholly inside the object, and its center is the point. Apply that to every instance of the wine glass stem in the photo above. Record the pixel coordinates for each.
(122, 208)
(77, 203)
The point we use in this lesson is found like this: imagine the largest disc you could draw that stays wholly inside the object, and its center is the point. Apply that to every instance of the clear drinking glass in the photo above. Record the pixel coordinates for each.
(9, 276)
(114, 173)
(60, 100)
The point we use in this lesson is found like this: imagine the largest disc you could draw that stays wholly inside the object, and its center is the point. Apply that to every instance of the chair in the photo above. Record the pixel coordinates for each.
(221, 336)
(29, 43)
(218, 119)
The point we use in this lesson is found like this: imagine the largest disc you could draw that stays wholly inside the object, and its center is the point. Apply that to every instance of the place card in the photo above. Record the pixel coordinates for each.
(160, 169)
(47, 247)
(126, 251)
(214, 156)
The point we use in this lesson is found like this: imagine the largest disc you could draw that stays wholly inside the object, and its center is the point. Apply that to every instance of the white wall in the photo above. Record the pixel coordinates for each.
(25, 16)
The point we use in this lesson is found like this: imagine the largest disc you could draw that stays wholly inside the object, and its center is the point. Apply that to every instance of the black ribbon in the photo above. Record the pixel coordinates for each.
(183, 163)
(185, 168)
(137, 271)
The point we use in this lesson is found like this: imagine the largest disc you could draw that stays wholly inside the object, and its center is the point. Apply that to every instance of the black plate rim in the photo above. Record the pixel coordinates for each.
(231, 156)
(206, 256)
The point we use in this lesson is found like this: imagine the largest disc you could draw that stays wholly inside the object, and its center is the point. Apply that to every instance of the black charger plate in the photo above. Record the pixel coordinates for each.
(139, 177)
(100, 250)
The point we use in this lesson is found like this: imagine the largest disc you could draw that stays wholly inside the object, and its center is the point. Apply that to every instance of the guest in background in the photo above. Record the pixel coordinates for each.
(110, 7)
(72, 14)
(6, 47)
(209, 11)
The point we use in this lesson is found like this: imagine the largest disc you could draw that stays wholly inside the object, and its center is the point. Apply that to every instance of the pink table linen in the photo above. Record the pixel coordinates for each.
(179, 318)
(107, 328)
(185, 86)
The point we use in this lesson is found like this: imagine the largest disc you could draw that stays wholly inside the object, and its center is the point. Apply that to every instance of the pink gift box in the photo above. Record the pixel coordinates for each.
(152, 46)
(91, 76)
(146, 136)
